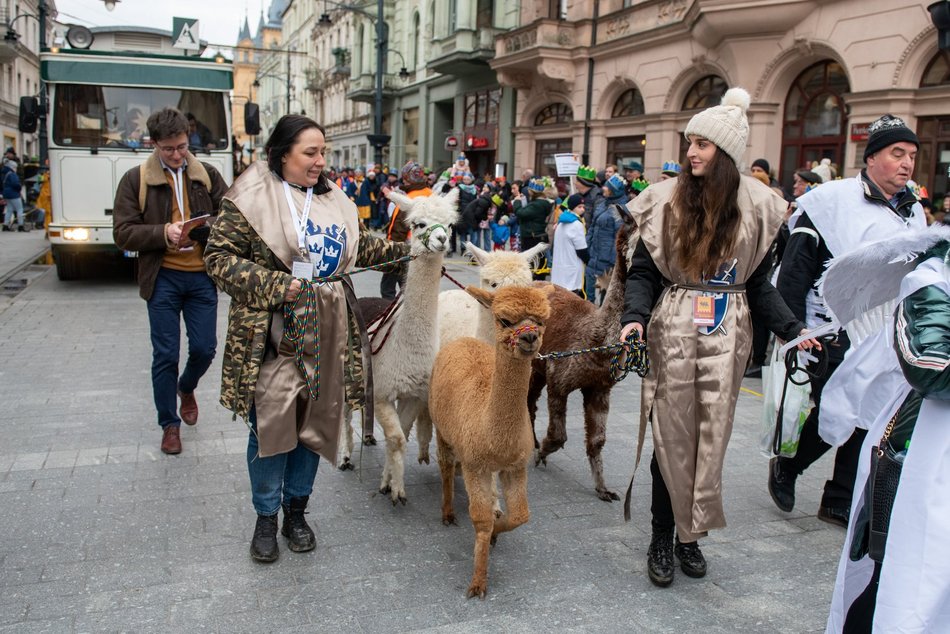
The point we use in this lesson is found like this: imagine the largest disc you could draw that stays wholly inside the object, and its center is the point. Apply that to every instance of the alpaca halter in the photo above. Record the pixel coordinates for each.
(517, 332)
(428, 233)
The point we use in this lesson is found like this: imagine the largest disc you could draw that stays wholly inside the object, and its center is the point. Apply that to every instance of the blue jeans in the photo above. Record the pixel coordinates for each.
(281, 477)
(14, 205)
(589, 285)
(178, 294)
(483, 239)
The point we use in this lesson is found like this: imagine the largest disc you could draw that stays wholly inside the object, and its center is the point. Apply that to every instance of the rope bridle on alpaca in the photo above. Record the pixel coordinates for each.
(424, 238)
(515, 335)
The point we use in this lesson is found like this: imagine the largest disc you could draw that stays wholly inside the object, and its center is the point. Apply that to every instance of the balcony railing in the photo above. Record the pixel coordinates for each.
(460, 51)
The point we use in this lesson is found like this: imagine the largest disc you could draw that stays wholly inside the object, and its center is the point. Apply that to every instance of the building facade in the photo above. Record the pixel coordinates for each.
(20, 69)
(621, 85)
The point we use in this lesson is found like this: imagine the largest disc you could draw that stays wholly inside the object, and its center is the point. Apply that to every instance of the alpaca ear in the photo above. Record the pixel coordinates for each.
(531, 255)
(483, 297)
(453, 196)
(402, 201)
(480, 256)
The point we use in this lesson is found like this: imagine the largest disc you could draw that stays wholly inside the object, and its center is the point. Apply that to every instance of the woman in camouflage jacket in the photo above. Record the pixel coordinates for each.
(259, 249)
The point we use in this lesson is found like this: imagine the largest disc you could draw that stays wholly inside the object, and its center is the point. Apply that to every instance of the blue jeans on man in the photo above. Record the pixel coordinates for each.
(276, 479)
(14, 207)
(179, 294)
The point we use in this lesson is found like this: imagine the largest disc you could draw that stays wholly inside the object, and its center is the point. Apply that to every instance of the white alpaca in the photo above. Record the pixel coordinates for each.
(401, 370)
(460, 315)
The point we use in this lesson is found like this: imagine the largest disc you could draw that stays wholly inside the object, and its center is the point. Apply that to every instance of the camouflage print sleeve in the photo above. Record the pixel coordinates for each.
(229, 258)
(373, 250)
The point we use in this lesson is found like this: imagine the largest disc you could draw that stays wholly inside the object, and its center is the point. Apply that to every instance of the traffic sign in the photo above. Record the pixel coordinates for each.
(185, 34)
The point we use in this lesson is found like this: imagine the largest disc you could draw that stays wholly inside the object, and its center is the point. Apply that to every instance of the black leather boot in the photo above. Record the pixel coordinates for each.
(299, 535)
(781, 485)
(264, 543)
(692, 562)
(660, 557)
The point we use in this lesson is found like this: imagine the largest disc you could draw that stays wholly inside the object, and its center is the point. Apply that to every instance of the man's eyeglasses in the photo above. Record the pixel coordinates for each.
(172, 150)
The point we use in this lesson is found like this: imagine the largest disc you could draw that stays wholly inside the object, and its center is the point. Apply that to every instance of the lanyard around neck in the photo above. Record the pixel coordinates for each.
(299, 218)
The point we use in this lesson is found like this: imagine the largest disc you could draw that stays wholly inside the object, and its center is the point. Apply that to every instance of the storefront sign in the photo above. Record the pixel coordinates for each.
(451, 142)
(477, 142)
(859, 131)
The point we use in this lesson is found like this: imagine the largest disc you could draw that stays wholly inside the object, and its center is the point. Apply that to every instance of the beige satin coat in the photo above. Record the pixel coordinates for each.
(285, 413)
(690, 394)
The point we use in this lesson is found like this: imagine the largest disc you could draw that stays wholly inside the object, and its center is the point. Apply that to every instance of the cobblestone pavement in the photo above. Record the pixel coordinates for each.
(102, 532)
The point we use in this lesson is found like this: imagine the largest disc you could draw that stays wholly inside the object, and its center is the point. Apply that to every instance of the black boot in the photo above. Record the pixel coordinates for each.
(299, 535)
(264, 543)
(660, 557)
(782, 484)
(691, 559)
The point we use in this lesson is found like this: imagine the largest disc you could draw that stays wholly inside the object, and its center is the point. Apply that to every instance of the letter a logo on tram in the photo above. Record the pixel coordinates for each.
(185, 34)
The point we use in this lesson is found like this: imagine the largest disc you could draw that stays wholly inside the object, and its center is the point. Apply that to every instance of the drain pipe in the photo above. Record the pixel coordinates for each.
(585, 156)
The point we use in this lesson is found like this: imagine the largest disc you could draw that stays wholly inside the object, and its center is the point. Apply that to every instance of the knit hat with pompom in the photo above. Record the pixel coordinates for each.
(725, 125)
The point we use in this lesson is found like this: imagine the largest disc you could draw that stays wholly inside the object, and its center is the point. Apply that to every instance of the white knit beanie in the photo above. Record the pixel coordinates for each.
(725, 125)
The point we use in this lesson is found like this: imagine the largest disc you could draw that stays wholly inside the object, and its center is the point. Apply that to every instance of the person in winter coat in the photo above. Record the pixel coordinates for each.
(152, 203)
(499, 223)
(482, 212)
(533, 217)
(569, 253)
(602, 230)
(12, 196)
(283, 225)
(699, 269)
(467, 225)
(366, 194)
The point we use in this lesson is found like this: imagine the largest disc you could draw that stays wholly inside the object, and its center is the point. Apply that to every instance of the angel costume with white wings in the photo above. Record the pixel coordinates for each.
(862, 289)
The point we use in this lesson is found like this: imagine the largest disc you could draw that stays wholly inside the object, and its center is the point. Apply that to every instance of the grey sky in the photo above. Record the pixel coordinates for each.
(219, 20)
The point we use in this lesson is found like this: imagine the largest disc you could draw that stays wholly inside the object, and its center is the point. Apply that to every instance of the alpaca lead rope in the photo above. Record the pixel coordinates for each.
(296, 329)
(297, 326)
(631, 355)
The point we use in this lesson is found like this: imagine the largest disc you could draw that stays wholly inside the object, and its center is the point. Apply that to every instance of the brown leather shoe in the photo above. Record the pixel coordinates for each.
(189, 408)
(171, 440)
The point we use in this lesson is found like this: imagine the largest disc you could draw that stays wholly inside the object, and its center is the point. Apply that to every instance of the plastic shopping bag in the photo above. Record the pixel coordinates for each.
(783, 435)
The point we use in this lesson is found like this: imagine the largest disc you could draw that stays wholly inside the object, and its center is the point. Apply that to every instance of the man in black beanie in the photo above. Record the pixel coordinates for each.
(830, 221)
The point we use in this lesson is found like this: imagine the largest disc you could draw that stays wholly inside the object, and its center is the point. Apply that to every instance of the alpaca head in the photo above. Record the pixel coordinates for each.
(430, 218)
(520, 313)
(505, 268)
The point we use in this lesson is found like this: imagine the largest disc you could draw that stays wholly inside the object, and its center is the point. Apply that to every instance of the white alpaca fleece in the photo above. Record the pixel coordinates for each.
(460, 315)
(401, 370)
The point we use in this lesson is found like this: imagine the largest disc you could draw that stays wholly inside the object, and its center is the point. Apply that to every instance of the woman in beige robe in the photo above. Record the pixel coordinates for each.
(281, 222)
(698, 270)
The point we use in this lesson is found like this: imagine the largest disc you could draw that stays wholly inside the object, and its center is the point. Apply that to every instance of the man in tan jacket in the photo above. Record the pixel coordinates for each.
(152, 203)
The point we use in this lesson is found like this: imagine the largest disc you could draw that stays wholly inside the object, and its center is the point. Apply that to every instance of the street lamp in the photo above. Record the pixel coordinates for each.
(377, 138)
(110, 4)
(940, 16)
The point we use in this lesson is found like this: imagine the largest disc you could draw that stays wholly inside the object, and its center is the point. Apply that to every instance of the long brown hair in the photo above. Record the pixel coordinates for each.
(702, 229)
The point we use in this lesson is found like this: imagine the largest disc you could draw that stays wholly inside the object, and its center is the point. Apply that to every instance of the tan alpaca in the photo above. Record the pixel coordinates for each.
(478, 403)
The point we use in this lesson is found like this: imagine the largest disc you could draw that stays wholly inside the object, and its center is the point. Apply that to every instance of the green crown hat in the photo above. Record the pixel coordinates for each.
(587, 172)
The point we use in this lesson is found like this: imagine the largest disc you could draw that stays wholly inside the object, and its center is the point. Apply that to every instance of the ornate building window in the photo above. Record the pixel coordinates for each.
(938, 71)
(554, 113)
(481, 108)
(705, 93)
(815, 119)
(629, 104)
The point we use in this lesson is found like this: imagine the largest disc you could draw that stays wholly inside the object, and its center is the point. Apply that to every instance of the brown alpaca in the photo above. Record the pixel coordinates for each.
(477, 400)
(576, 324)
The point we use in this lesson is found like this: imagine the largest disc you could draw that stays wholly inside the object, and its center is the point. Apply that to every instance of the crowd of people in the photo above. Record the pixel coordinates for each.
(719, 259)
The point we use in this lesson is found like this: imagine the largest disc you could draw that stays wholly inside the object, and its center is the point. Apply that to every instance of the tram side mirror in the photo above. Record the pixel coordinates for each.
(252, 118)
(29, 114)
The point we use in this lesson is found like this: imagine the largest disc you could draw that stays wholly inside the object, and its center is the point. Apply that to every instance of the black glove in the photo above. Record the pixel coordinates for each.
(200, 234)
